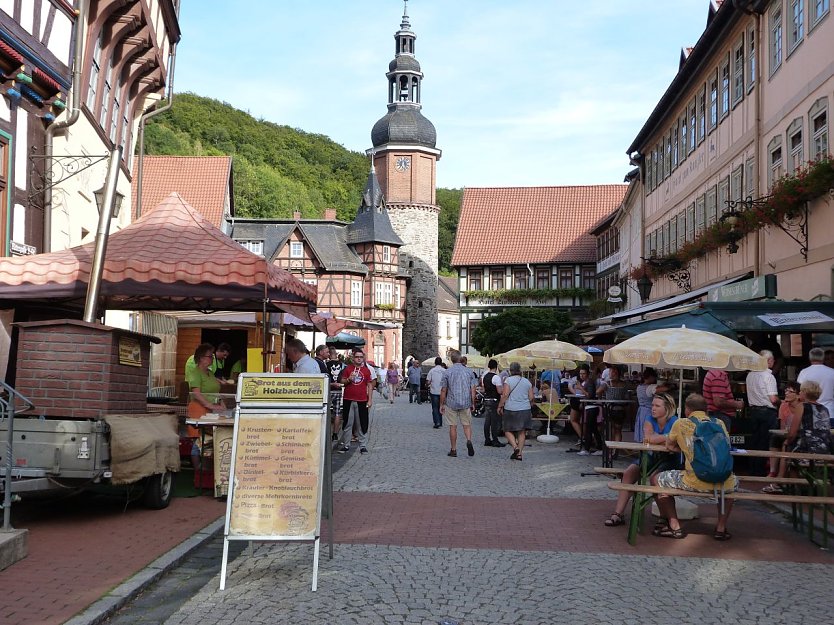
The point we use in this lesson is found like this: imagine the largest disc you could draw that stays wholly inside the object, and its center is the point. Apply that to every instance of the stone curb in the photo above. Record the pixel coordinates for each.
(103, 608)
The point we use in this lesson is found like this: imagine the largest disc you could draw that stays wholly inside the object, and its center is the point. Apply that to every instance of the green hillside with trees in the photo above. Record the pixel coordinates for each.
(278, 169)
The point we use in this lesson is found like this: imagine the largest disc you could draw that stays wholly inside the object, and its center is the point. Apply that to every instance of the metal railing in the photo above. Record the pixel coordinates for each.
(7, 411)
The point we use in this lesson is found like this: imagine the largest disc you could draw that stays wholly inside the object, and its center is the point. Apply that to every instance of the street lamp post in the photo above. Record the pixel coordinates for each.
(644, 287)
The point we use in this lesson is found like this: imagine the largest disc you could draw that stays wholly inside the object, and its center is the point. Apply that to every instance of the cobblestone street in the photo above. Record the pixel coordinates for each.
(423, 538)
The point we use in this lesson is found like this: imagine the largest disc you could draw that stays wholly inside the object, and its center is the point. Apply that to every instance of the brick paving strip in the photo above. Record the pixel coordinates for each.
(80, 549)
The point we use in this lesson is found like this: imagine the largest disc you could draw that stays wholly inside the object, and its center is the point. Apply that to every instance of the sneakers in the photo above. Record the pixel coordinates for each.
(343, 449)
(363, 450)
(598, 452)
(469, 448)
(583, 452)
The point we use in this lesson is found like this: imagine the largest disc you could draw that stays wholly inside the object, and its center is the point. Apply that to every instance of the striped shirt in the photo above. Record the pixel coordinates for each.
(716, 387)
(458, 382)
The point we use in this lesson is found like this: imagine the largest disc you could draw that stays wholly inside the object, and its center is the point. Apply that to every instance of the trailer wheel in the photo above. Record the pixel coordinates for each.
(158, 490)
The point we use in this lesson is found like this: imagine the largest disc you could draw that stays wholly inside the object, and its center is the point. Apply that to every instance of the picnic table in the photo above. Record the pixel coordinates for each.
(812, 467)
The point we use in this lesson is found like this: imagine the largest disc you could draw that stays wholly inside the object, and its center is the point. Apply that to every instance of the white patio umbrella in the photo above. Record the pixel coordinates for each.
(682, 348)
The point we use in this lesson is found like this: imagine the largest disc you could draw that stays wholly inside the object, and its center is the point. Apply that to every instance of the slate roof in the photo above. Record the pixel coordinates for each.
(447, 294)
(325, 238)
(205, 182)
(514, 225)
(372, 223)
(404, 123)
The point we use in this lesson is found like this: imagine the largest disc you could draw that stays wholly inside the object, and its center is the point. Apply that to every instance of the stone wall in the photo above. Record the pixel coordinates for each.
(416, 224)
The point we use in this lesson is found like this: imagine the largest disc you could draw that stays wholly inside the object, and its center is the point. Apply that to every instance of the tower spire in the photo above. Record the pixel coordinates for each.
(405, 24)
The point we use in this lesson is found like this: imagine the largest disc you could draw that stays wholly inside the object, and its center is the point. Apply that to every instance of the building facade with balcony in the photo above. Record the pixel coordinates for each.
(528, 247)
(747, 111)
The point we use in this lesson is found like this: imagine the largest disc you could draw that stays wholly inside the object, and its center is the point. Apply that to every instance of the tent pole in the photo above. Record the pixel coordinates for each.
(264, 348)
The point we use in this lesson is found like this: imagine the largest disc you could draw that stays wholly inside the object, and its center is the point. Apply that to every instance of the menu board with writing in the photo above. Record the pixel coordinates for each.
(285, 389)
(277, 476)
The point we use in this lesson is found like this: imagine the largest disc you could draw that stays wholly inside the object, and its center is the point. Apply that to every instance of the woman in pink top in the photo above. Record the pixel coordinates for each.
(392, 376)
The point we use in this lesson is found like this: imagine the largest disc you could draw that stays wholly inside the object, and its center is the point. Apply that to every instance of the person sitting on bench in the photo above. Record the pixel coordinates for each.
(680, 438)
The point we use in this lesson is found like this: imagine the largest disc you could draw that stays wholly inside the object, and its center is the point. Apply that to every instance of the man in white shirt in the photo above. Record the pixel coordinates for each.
(493, 385)
(299, 355)
(822, 375)
(762, 397)
(435, 381)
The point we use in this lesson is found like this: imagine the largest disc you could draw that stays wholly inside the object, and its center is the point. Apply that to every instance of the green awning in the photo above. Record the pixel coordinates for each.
(733, 318)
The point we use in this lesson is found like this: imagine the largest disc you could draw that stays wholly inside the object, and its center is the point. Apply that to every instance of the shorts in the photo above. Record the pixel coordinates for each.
(777, 441)
(453, 417)
(674, 479)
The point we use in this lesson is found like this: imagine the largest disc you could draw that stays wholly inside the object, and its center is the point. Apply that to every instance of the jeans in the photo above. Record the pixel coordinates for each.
(763, 419)
(435, 409)
(414, 390)
(492, 422)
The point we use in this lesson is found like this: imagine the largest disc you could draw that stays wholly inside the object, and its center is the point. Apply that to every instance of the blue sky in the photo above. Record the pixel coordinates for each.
(522, 92)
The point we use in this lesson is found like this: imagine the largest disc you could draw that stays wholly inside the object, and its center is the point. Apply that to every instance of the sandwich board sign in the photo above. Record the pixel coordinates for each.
(277, 466)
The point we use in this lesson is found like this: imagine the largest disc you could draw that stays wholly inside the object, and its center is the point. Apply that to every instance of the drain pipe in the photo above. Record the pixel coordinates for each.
(172, 61)
(72, 113)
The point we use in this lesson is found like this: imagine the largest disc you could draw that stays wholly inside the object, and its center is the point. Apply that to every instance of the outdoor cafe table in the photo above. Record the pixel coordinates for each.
(641, 500)
(607, 452)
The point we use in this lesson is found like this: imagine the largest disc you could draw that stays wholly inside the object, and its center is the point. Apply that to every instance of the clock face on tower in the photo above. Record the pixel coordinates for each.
(403, 163)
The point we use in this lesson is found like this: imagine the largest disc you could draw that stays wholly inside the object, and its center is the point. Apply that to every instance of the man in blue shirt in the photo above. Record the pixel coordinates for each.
(414, 372)
(457, 396)
(554, 378)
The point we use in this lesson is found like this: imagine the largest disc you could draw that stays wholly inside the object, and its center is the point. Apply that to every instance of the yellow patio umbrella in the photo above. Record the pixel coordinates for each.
(555, 350)
(429, 362)
(529, 362)
(476, 361)
(683, 348)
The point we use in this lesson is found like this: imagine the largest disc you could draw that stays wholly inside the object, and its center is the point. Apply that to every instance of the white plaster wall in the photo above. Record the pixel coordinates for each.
(27, 16)
(5, 111)
(21, 148)
(61, 35)
(447, 340)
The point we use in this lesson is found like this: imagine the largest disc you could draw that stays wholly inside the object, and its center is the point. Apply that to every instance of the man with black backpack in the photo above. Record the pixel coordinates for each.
(493, 385)
(705, 444)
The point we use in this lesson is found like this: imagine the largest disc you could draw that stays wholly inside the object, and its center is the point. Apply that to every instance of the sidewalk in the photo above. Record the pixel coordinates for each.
(81, 547)
(423, 538)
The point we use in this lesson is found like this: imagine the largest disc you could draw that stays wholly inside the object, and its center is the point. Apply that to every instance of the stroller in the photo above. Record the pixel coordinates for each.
(478, 408)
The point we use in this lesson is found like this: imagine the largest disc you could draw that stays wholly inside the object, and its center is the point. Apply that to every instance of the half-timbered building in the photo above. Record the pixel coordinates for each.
(355, 266)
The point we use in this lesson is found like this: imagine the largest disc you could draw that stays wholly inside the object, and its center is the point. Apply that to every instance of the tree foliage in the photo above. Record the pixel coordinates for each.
(278, 169)
(520, 326)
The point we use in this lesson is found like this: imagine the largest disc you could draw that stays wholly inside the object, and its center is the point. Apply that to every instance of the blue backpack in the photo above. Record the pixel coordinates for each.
(711, 459)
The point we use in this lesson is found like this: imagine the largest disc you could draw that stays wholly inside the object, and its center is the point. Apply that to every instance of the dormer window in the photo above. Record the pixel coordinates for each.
(296, 249)
(386, 253)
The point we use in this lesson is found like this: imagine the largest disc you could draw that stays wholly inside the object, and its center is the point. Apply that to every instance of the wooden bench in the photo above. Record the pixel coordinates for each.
(794, 500)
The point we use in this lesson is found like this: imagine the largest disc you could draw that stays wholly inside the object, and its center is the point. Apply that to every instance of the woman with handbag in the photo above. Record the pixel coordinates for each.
(516, 409)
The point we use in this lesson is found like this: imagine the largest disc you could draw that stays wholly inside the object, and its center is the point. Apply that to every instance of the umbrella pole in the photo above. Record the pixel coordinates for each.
(264, 346)
(680, 394)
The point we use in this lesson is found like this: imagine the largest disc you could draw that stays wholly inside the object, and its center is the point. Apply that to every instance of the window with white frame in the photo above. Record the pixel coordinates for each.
(725, 91)
(796, 153)
(388, 293)
(751, 58)
(693, 120)
(379, 294)
(675, 147)
(448, 328)
(721, 201)
(386, 253)
(713, 101)
(683, 131)
(818, 125)
(776, 38)
(774, 151)
(750, 176)
(690, 223)
(819, 9)
(355, 294)
(115, 116)
(700, 216)
(296, 249)
(796, 28)
(105, 96)
(702, 114)
(667, 156)
(738, 73)
(650, 172)
(681, 229)
(256, 247)
(398, 293)
(736, 182)
(95, 69)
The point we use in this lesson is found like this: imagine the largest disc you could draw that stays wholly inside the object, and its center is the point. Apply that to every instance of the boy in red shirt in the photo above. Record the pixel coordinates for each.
(359, 381)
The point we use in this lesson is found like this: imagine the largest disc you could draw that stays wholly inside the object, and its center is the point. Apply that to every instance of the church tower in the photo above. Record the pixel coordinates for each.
(405, 158)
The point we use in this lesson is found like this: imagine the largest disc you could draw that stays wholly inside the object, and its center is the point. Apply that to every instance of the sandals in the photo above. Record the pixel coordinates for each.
(515, 455)
(722, 536)
(772, 489)
(615, 520)
(660, 525)
(668, 532)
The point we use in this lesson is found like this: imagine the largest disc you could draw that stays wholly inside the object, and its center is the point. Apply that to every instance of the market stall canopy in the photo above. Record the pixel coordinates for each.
(345, 340)
(172, 258)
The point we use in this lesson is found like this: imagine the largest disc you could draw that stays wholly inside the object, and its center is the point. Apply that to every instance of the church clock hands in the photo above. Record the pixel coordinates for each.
(403, 163)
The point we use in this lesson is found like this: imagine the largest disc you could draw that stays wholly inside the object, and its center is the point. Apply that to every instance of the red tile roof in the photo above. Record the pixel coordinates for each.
(170, 258)
(202, 181)
(508, 225)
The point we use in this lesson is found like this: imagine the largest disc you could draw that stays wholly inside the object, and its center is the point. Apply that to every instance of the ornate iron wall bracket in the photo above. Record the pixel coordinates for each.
(797, 229)
(46, 173)
(682, 278)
